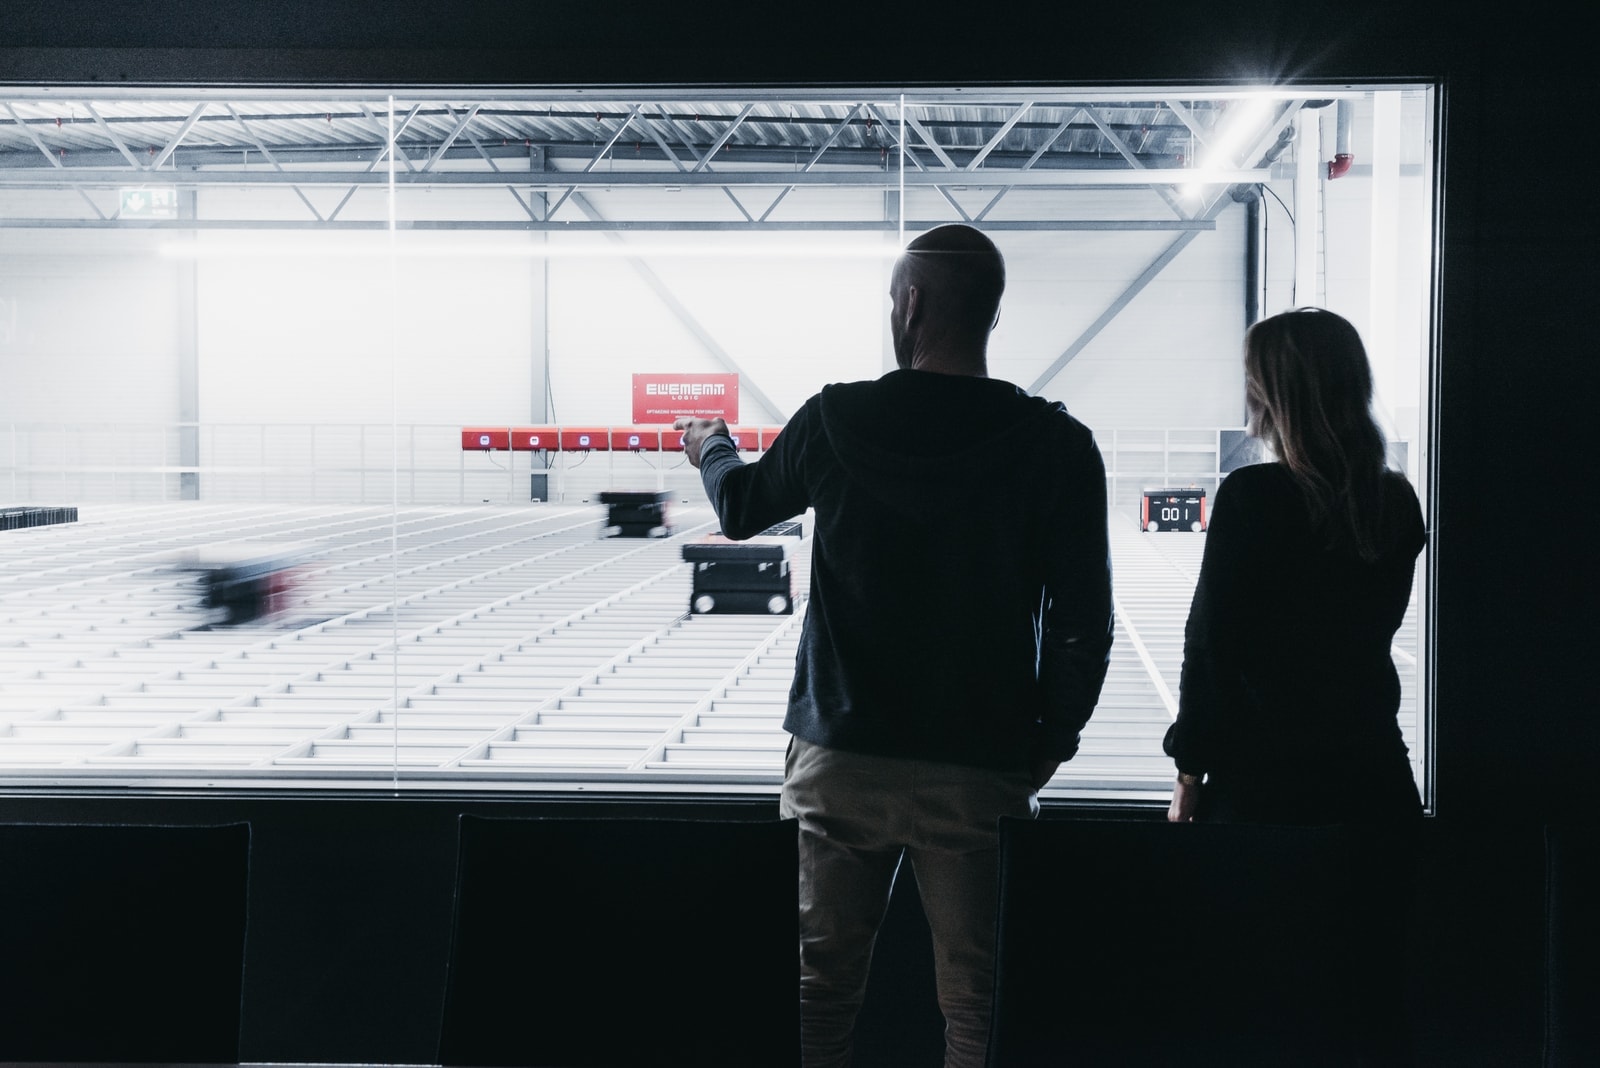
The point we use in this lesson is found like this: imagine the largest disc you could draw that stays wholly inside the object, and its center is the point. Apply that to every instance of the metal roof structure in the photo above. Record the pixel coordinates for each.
(758, 148)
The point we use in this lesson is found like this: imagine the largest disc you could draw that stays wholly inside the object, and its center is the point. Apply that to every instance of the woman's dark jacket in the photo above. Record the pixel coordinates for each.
(1289, 691)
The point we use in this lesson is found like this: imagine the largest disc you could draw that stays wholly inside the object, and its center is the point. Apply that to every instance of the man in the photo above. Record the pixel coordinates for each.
(956, 637)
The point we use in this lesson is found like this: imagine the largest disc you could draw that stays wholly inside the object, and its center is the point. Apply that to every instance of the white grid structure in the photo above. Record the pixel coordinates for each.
(531, 652)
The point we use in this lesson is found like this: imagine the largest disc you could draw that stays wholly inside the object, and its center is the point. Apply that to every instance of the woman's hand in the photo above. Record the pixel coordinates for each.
(1185, 799)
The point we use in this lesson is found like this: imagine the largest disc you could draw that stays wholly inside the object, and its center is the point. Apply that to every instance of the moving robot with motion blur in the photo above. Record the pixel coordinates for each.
(248, 583)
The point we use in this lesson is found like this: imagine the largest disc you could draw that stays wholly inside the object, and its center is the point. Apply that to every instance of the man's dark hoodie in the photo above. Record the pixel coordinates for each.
(960, 601)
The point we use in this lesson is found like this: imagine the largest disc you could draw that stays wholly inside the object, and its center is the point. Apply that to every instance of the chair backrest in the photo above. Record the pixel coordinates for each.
(1128, 942)
(624, 942)
(122, 943)
(1573, 946)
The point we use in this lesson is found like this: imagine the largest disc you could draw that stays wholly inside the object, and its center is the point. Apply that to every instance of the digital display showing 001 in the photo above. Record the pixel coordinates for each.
(1173, 509)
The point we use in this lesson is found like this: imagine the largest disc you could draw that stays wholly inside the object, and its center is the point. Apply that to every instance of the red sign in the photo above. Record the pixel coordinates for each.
(484, 438)
(663, 398)
(533, 438)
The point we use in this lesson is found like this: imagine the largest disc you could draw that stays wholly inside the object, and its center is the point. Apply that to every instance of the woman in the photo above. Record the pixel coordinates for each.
(1289, 692)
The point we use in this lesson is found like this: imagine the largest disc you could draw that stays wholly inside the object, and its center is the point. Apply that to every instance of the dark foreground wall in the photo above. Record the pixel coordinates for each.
(350, 912)
(349, 923)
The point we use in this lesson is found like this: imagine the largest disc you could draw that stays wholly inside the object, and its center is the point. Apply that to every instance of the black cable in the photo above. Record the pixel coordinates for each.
(1268, 189)
(1266, 246)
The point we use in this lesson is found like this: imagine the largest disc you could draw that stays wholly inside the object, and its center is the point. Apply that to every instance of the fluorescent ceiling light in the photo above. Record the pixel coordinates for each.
(1242, 121)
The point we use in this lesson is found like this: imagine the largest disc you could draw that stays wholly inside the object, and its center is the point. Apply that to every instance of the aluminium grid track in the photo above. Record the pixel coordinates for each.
(530, 650)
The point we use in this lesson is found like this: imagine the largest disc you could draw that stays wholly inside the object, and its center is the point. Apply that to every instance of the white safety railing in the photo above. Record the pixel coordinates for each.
(424, 463)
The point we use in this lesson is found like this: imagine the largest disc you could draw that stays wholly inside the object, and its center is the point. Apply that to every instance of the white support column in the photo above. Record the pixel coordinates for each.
(1309, 169)
(539, 332)
(1383, 325)
(187, 276)
(891, 213)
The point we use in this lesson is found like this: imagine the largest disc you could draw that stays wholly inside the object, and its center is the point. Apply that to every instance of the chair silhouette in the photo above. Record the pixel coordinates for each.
(1123, 942)
(1572, 945)
(585, 942)
(122, 943)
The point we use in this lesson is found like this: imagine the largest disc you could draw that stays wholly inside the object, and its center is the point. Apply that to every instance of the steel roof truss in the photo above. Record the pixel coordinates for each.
(275, 164)
(1262, 144)
(702, 163)
(812, 162)
(949, 164)
(1055, 135)
(927, 138)
(1000, 135)
(44, 150)
(594, 161)
(380, 157)
(1187, 117)
(1133, 160)
(127, 154)
(825, 226)
(874, 178)
(723, 140)
(655, 135)
(472, 139)
(172, 145)
(951, 200)
(525, 205)
(460, 127)
(55, 161)
(899, 144)
(394, 146)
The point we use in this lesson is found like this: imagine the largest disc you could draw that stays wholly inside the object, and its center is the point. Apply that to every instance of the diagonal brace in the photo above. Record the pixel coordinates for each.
(684, 316)
(269, 158)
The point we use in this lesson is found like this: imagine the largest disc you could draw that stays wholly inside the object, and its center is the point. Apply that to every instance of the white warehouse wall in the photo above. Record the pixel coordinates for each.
(297, 330)
(792, 325)
(324, 338)
(88, 328)
(1344, 239)
(1170, 358)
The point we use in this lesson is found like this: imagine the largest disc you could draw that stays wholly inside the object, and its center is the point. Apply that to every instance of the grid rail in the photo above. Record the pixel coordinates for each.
(464, 646)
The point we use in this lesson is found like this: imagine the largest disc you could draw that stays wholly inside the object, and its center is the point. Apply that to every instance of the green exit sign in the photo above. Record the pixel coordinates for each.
(160, 203)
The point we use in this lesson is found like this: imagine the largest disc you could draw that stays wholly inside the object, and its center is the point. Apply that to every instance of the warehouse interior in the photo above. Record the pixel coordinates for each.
(301, 342)
(312, 301)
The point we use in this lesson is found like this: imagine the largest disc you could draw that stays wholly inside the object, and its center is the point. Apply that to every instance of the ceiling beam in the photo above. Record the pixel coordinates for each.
(822, 226)
(989, 178)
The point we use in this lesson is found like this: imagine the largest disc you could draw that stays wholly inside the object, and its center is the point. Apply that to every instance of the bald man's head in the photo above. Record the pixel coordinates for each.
(958, 275)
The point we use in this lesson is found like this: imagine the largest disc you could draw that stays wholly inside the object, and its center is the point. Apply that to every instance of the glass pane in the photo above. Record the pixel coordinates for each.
(230, 347)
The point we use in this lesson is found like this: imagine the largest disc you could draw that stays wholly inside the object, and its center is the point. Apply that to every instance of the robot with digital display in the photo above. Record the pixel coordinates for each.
(1173, 509)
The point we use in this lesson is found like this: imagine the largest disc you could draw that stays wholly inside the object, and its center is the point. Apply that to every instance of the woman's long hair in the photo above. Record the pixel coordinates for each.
(1308, 388)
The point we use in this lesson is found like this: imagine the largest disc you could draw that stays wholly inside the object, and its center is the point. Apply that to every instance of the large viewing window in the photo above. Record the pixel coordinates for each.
(313, 397)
